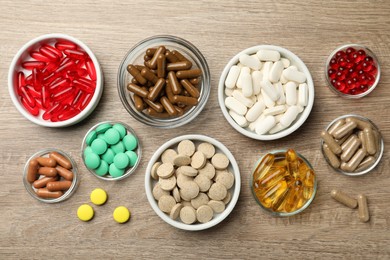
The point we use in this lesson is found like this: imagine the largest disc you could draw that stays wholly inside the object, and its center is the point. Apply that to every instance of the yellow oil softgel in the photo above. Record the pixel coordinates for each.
(283, 182)
(121, 214)
(98, 196)
(85, 212)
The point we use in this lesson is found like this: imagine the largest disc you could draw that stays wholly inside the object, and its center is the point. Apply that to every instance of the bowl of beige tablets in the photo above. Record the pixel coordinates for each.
(352, 145)
(266, 92)
(192, 182)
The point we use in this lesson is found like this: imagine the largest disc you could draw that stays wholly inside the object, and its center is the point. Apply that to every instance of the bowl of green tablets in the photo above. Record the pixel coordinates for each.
(111, 150)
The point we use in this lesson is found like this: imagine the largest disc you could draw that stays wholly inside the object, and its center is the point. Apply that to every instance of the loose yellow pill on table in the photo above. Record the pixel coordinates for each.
(98, 196)
(85, 212)
(121, 214)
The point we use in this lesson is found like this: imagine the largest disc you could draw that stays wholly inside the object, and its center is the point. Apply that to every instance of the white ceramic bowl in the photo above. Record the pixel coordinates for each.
(23, 53)
(295, 60)
(233, 167)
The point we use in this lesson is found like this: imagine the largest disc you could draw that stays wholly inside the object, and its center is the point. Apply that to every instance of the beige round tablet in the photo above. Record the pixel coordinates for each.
(181, 179)
(175, 212)
(158, 192)
(220, 161)
(186, 147)
(153, 172)
(204, 213)
(168, 184)
(217, 191)
(188, 215)
(227, 199)
(188, 170)
(165, 170)
(203, 182)
(208, 170)
(226, 178)
(201, 199)
(217, 206)
(198, 160)
(166, 203)
(176, 194)
(186, 203)
(181, 160)
(168, 156)
(189, 190)
(208, 149)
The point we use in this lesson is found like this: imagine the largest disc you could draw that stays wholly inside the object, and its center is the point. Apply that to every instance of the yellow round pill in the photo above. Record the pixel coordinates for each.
(98, 196)
(121, 214)
(85, 212)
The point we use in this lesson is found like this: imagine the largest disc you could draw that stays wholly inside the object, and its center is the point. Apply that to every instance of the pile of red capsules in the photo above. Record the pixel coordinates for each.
(352, 71)
(59, 80)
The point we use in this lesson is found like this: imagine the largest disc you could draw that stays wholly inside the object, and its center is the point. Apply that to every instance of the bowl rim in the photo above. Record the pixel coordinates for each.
(221, 216)
(298, 122)
(84, 113)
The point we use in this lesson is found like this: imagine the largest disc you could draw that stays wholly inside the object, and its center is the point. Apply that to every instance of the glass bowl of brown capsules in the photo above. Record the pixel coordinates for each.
(352, 145)
(164, 81)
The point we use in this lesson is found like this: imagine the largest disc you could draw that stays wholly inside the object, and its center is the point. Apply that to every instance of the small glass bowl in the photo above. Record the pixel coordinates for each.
(130, 170)
(280, 154)
(378, 155)
(135, 56)
(375, 62)
(31, 190)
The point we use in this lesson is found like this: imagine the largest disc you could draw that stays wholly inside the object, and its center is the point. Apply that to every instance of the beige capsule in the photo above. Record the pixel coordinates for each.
(348, 141)
(367, 162)
(356, 160)
(336, 125)
(364, 214)
(344, 129)
(351, 149)
(362, 139)
(344, 138)
(361, 124)
(344, 199)
(369, 137)
(332, 158)
(328, 139)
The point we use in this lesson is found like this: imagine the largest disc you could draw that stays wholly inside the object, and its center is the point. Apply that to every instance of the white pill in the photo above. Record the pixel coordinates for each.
(267, 100)
(250, 61)
(255, 56)
(232, 77)
(303, 90)
(275, 72)
(266, 69)
(291, 93)
(244, 70)
(239, 119)
(240, 65)
(257, 78)
(278, 117)
(276, 110)
(229, 91)
(283, 80)
(255, 111)
(252, 126)
(235, 105)
(282, 99)
(300, 108)
(270, 90)
(263, 126)
(294, 75)
(286, 62)
(248, 102)
(289, 116)
(268, 55)
(277, 128)
(247, 89)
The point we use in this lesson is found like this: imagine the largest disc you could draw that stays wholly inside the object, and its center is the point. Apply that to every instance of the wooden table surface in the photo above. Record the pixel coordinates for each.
(220, 29)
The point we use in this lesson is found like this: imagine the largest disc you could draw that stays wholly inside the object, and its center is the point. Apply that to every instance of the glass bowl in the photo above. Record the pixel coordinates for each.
(135, 56)
(378, 155)
(343, 49)
(31, 190)
(280, 154)
(129, 170)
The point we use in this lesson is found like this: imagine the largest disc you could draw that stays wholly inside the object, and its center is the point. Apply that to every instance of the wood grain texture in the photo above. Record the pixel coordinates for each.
(220, 29)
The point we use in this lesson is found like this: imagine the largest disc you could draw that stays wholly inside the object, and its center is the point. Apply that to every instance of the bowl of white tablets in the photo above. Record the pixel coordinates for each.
(266, 92)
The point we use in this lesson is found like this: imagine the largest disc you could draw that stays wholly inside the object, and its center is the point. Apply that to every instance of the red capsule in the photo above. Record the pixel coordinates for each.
(36, 79)
(53, 50)
(333, 64)
(64, 93)
(39, 56)
(33, 93)
(84, 87)
(82, 72)
(65, 66)
(45, 96)
(340, 54)
(27, 97)
(52, 56)
(88, 82)
(373, 71)
(366, 65)
(48, 114)
(38, 103)
(65, 45)
(75, 54)
(59, 85)
(34, 110)
(68, 114)
(30, 65)
(49, 79)
(20, 82)
(91, 69)
(85, 101)
(332, 74)
(76, 98)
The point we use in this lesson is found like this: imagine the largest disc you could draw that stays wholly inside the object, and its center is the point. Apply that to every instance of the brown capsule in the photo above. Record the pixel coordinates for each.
(170, 57)
(32, 170)
(193, 91)
(332, 158)
(344, 199)
(181, 105)
(149, 75)
(174, 83)
(179, 65)
(139, 67)
(138, 102)
(134, 81)
(47, 171)
(356, 159)
(364, 214)
(153, 62)
(168, 106)
(367, 162)
(180, 56)
(64, 173)
(168, 91)
(336, 125)
(180, 111)
(147, 58)
(136, 74)
(150, 111)
(350, 149)
(161, 64)
(328, 139)
(43, 181)
(195, 81)
(156, 90)
(45, 161)
(58, 185)
(155, 105)
(369, 140)
(344, 129)
(61, 160)
(137, 90)
(150, 52)
(361, 124)
(46, 194)
(185, 93)
(188, 74)
(190, 101)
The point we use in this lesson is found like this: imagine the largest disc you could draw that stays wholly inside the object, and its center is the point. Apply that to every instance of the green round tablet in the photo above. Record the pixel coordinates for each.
(121, 129)
(99, 146)
(108, 156)
(90, 137)
(112, 136)
(133, 157)
(102, 169)
(118, 148)
(130, 142)
(87, 150)
(92, 161)
(121, 161)
(115, 172)
(101, 129)
(101, 136)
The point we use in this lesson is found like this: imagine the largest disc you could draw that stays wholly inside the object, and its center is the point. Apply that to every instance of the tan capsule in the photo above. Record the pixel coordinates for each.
(154, 113)
(153, 61)
(58, 185)
(362, 140)
(369, 140)
(367, 162)
(193, 91)
(336, 125)
(138, 102)
(46, 194)
(345, 167)
(180, 56)
(64, 173)
(377, 139)
(356, 160)
(156, 90)
(168, 106)
(344, 129)
(332, 158)
(344, 199)
(45, 161)
(161, 64)
(61, 160)
(364, 214)
(343, 139)
(348, 141)
(190, 101)
(136, 74)
(32, 170)
(149, 75)
(361, 124)
(43, 181)
(47, 171)
(154, 105)
(351, 149)
(179, 65)
(137, 90)
(174, 83)
(328, 139)
(188, 74)
(170, 57)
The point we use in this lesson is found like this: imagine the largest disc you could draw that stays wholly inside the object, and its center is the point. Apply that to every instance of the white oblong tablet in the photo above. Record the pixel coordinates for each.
(257, 78)
(235, 105)
(275, 71)
(276, 110)
(248, 102)
(250, 61)
(303, 93)
(229, 91)
(270, 90)
(255, 111)
(263, 126)
(294, 75)
(282, 97)
(286, 62)
(266, 69)
(252, 125)
(289, 116)
(277, 128)
(268, 55)
(267, 100)
(239, 119)
(291, 93)
(247, 89)
(244, 70)
(232, 76)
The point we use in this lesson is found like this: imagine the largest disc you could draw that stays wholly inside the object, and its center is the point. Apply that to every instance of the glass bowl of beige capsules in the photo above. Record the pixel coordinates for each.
(352, 145)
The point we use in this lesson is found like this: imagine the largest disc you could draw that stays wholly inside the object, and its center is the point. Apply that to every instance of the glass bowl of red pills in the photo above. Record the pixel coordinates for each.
(55, 80)
(352, 71)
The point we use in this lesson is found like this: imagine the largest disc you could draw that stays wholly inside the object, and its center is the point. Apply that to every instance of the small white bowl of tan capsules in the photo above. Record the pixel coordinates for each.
(266, 92)
(192, 182)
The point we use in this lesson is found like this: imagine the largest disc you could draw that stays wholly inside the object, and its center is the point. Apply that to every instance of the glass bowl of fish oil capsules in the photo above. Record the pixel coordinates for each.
(352, 145)
(284, 183)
